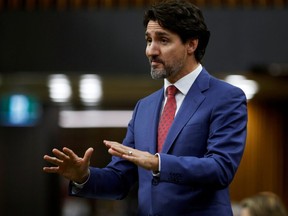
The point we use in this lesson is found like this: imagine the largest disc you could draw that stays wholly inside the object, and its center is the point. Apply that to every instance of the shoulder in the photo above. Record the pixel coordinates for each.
(153, 96)
(217, 85)
(150, 101)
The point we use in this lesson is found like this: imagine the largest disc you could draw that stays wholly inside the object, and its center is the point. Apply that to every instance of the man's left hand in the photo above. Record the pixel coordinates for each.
(140, 158)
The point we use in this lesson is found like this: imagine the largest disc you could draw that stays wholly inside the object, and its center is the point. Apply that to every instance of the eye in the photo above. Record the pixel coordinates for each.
(164, 40)
(148, 40)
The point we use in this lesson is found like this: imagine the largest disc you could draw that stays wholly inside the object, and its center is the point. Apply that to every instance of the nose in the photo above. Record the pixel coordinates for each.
(152, 49)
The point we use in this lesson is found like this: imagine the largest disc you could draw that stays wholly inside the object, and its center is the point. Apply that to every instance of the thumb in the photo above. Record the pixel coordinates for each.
(88, 155)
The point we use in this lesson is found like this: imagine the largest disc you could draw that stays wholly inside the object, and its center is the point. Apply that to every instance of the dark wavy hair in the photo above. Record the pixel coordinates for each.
(183, 18)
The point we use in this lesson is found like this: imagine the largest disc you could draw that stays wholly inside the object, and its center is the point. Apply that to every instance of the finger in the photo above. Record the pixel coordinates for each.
(115, 153)
(70, 153)
(88, 155)
(53, 160)
(123, 149)
(107, 143)
(60, 155)
(129, 157)
(118, 149)
(111, 145)
(51, 169)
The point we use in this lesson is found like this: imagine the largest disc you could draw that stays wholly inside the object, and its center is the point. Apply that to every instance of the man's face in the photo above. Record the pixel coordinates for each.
(165, 51)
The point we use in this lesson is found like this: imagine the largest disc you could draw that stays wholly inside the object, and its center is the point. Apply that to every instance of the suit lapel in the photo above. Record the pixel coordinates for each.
(156, 105)
(192, 101)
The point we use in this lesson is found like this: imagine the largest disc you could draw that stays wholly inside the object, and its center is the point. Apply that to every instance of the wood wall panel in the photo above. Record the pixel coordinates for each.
(262, 167)
(93, 4)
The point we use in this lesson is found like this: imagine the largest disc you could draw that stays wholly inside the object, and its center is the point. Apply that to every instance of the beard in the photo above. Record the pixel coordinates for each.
(167, 71)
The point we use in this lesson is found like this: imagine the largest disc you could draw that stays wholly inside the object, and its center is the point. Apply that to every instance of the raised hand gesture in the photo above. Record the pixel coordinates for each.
(69, 165)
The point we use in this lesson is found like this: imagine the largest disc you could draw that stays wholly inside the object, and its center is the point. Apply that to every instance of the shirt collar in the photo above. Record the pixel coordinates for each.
(185, 83)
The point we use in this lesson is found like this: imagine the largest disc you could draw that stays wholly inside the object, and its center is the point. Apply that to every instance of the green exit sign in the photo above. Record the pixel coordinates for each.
(19, 110)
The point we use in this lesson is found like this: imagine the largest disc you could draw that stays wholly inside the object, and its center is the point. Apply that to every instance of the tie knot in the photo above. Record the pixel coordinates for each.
(171, 90)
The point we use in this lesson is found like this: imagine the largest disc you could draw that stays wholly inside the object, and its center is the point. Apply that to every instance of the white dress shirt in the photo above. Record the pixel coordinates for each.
(183, 85)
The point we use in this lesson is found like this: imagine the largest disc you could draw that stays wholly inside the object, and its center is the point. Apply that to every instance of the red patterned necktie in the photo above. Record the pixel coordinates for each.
(167, 116)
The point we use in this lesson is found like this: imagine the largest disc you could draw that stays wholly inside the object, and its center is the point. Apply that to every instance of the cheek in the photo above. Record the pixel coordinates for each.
(175, 56)
(146, 51)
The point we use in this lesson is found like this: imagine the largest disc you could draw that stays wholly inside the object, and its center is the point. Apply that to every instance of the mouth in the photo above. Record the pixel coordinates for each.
(156, 62)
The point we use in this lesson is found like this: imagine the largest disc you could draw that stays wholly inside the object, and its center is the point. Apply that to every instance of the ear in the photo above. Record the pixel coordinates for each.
(192, 45)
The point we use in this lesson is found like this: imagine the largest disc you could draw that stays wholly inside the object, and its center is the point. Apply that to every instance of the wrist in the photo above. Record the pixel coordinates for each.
(84, 178)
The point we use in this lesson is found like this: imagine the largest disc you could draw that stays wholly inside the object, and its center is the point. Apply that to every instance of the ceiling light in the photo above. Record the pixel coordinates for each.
(59, 88)
(250, 87)
(90, 89)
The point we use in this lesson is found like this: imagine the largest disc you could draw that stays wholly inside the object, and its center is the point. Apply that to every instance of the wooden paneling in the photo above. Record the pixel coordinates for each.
(92, 4)
(262, 167)
(285, 153)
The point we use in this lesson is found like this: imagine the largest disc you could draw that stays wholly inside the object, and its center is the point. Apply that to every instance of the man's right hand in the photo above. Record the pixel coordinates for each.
(69, 165)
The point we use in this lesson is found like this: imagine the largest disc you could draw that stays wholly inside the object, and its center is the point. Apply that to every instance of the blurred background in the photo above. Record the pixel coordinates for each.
(71, 72)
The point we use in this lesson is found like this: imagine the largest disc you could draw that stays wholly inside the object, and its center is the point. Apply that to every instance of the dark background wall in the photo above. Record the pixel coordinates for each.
(24, 189)
(112, 41)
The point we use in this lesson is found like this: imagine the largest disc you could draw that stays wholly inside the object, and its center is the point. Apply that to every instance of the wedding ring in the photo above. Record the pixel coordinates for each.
(129, 152)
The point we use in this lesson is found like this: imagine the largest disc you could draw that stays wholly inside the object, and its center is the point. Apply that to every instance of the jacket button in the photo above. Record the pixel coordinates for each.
(155, 182)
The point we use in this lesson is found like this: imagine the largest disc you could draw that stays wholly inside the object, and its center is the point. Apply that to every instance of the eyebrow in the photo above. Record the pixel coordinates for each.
(158, 33)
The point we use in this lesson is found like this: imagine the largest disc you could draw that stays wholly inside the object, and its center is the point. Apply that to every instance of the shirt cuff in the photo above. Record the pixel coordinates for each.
(157, 174)
(80, 186)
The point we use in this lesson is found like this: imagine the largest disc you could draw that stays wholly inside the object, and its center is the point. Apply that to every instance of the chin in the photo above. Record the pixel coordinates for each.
(158, 75)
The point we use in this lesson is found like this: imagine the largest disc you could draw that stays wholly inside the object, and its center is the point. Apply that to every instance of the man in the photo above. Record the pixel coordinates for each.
(190, 173)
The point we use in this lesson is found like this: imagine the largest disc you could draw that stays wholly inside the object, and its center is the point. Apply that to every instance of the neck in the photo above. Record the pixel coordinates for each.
(174, 78)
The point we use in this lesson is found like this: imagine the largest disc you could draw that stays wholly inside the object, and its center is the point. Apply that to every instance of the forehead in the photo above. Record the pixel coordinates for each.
(153, 27)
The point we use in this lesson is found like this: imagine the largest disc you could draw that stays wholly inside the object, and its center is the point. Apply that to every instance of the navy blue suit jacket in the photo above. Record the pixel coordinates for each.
(199, 159)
